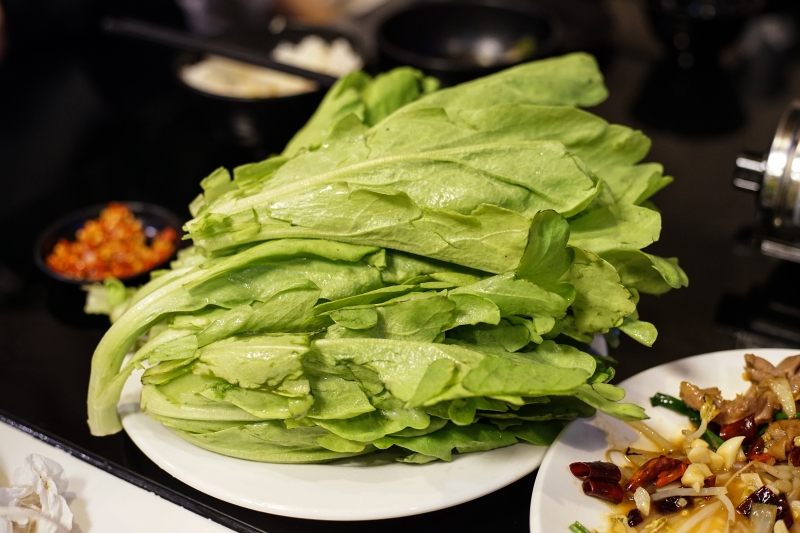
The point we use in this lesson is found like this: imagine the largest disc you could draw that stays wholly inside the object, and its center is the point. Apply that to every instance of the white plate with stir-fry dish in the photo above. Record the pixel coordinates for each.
(559, 501)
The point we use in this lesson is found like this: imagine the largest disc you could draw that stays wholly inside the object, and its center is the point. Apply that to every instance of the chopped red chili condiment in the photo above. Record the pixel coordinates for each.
(112, 245)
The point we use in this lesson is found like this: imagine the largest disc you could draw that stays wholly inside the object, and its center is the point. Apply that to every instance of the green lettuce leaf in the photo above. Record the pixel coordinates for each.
(441, 443)
(601, 300)
(211, 284)
(270, 441)
(255, 361)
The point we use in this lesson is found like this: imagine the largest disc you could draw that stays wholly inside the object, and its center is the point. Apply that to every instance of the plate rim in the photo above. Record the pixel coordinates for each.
(551, 456)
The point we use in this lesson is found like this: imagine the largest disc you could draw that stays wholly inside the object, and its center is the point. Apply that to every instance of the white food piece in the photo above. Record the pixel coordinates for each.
(780, 486)
(795, 505)
(751, 481)
(704, 455)
(716, 461)
(642, 499)
(227, 77)
(687, 491)
(313, 53)
(729, 450)
(694, 476)
(699, 454)
(38, 485)
(782, 389)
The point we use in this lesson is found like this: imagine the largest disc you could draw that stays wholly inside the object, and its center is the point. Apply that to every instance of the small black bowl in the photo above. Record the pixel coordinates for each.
(65, 298)
(457, 41)
(263, 123)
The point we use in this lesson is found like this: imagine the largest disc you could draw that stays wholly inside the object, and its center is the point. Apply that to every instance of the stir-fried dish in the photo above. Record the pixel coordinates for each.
(736, 471)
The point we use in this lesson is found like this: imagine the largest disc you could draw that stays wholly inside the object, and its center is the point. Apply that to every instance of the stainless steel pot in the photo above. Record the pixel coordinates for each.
(776, 176)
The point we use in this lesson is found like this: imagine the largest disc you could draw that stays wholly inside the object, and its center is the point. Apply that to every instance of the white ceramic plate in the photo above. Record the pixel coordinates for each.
(348, 490)
(558, 500)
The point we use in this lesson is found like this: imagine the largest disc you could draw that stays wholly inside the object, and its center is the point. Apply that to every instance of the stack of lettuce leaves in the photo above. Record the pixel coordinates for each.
(418, 270)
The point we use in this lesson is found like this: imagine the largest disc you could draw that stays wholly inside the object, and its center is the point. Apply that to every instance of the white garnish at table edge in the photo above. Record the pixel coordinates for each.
(38, 485)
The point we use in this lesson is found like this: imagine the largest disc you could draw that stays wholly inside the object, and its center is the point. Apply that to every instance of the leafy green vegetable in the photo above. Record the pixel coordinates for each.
(369, 99)
(441, 443)
(415, 271)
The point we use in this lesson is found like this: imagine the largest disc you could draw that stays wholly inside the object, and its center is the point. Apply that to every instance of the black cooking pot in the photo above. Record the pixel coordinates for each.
(263, 123)
(457, 41)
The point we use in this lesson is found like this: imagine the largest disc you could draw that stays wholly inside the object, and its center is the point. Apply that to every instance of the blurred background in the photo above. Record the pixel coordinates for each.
(88, 116)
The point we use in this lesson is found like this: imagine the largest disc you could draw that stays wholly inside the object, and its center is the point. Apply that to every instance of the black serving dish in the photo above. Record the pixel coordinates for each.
(65, 297)
(266, 124)
(457, 41)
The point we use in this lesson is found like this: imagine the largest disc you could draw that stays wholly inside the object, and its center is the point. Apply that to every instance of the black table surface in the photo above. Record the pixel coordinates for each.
(99, 120)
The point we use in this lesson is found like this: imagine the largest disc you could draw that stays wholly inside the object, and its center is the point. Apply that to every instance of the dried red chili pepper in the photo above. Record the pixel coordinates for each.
(756, 448)
(765, 495)
(596, 470)
(756, 452)
(650, 471)
(669, 476)
(746, 427)
(785, 511)
(794, 456)
(605, 490)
